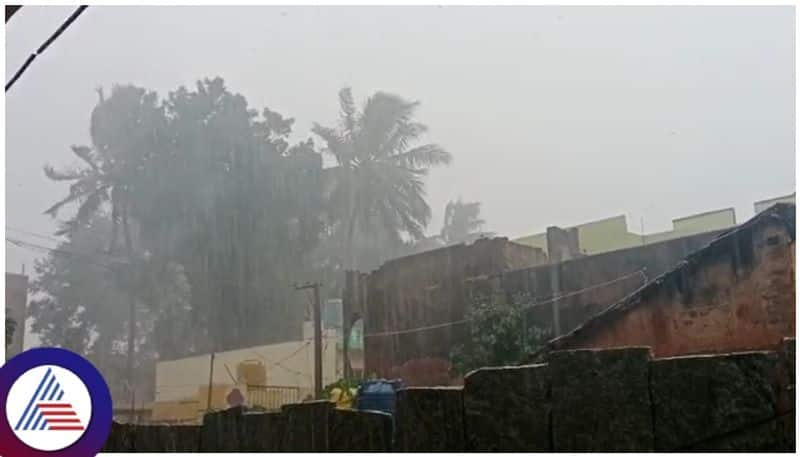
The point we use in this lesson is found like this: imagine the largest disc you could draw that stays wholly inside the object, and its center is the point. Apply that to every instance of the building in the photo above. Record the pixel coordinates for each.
(16, 305)
(612, 233)
(736, 294)
(413, 307)
(765, 204)
(418, 290)
(267, 376)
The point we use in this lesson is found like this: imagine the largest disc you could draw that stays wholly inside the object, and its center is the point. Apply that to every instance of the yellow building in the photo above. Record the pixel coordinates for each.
(612, 233)
(764, 204)
(266, 376)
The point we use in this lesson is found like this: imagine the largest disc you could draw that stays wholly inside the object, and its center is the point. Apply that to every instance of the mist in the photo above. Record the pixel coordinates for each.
(180, 179)
(554, 115)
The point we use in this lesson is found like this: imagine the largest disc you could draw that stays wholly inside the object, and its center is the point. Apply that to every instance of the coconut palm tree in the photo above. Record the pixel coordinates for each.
(462, 222)
(376, 189)
(125, 130)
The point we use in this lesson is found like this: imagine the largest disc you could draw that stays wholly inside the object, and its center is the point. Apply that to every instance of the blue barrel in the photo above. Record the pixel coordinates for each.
(378, 395)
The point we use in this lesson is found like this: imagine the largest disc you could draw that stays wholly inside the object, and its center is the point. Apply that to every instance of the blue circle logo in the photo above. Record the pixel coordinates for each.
(56, 404)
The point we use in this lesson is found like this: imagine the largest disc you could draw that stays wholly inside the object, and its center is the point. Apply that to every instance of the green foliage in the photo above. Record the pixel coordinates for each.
(462, 222)
(501, 332)
(201, 182)
(375, 194)
(199, 209)
(11, 326)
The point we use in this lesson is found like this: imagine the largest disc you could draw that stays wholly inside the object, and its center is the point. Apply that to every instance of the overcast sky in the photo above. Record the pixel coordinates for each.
(554, 115)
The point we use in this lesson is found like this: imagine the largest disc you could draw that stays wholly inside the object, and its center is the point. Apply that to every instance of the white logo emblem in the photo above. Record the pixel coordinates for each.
(48, 408)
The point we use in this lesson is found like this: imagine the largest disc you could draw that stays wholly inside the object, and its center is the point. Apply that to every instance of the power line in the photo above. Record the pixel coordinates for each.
(29, 245)
(36, 235)
(533, 305)
(11, 10)
(46, 44)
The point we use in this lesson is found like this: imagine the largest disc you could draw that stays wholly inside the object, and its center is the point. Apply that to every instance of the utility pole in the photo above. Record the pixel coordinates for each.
(131, 348)
(317, 336)
(210, 381)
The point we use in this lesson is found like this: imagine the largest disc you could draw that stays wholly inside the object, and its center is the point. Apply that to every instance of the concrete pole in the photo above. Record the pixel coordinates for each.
(317, 316)
(555, 287)
(317, 343)
(210, 382)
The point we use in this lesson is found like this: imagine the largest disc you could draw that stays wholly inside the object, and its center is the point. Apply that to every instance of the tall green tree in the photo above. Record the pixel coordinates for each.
(218, 214)
(78, 303)
(126, 131)
(239, 208)
(376, 192)
(462, 222)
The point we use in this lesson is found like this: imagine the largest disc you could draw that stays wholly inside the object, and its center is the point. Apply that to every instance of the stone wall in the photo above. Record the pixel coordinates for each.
(736, 294)
(579, 400)
(434, 287)
(616, 270)
(424, 289)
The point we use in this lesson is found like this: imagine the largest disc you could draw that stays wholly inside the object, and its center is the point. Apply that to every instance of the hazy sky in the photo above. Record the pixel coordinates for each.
(555, 115)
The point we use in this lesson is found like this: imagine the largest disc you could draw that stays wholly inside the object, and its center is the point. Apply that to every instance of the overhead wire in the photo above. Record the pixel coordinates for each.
(533, 305)
(45, 45)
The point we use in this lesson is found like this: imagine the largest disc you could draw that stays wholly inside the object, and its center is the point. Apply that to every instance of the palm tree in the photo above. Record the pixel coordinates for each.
(377, 182)
(462, 222)
(125, 130)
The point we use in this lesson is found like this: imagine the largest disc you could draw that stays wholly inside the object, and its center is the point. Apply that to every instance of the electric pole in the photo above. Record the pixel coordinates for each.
(317, 316)
(210, 382)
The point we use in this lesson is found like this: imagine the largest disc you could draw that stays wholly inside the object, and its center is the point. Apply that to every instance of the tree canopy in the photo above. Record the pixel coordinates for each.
(201, 213)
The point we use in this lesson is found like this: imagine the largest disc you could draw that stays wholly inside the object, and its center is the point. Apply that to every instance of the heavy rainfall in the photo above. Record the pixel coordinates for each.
(261, 207)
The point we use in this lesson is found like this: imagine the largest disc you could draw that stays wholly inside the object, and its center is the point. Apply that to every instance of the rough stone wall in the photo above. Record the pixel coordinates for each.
(737, 294)
(433, 287)
(562, 244)
(546, 281)
(305, 427)
(580, 400)
(425, 289)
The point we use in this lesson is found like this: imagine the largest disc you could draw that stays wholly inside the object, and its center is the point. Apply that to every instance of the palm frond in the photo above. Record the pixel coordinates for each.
(382, 113)
(85, 153)
(66, 175)
(426, 155)
(348, 108)
(89, 207)
(337, 146)
(401, 136)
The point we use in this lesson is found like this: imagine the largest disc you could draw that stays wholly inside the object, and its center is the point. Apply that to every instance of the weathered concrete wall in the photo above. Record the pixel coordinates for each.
(580, 400)
(616, 270)
(510, 406)
(305, 427)
(736, 294)
(621, 399)
(434, 287)
(430, 419)
(425, 289)
(601, 400)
